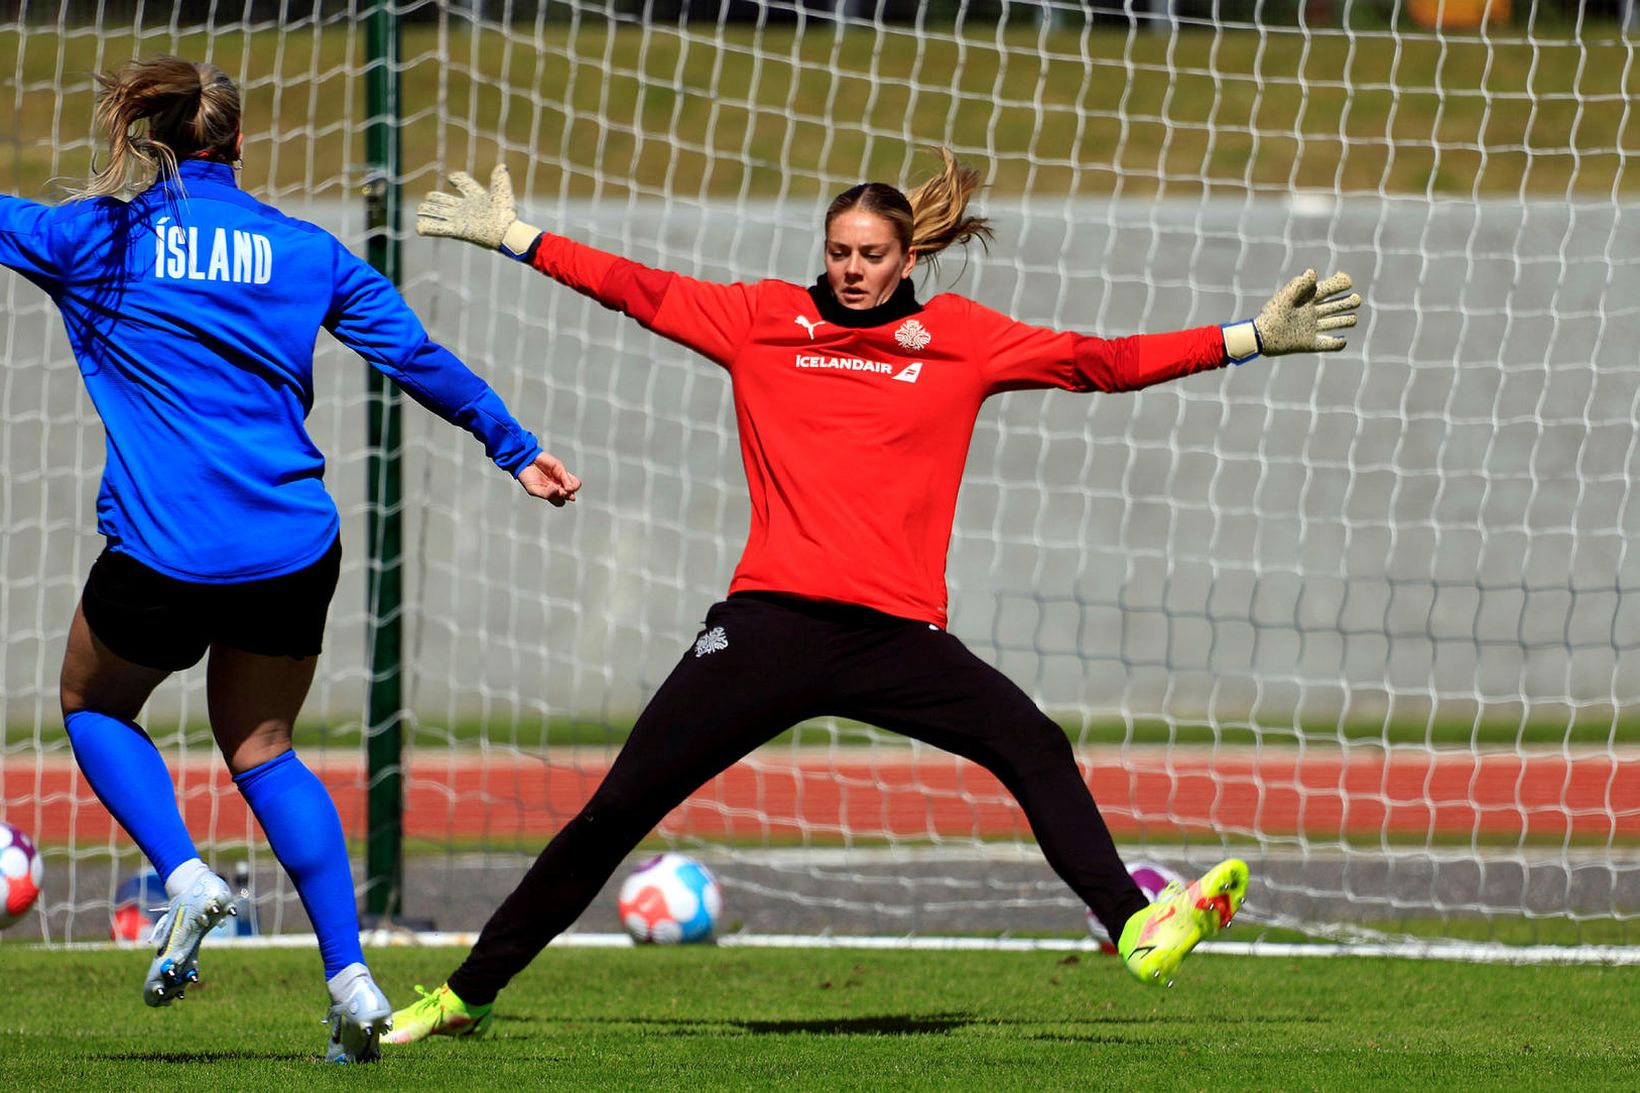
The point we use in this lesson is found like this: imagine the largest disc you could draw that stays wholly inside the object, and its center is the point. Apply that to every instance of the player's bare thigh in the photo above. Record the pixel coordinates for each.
(96, 678)
(253, 701)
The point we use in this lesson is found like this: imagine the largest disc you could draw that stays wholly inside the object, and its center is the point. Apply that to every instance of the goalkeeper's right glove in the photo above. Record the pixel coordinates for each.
(486, 217)
(1294, 319)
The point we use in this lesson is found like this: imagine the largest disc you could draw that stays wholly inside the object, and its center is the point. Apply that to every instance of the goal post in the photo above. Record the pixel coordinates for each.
(1368, 620)
(384, 600)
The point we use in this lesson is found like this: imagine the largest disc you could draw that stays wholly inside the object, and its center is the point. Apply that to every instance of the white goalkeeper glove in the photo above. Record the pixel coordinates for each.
(486, 217)
(1294, 320)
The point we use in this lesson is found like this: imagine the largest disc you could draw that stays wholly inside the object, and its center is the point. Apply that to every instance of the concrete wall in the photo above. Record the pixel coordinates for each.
(1436, 520)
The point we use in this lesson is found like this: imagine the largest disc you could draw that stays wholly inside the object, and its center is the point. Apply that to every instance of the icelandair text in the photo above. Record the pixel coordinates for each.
(847, 364)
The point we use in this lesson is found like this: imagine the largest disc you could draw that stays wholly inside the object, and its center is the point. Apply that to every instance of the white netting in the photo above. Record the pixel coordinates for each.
(1368, 620)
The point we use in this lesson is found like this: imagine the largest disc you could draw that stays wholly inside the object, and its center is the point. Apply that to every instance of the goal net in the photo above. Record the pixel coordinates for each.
(1369, 621)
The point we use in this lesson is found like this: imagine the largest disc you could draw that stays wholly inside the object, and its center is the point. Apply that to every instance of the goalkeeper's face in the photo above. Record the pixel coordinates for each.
(865, 260)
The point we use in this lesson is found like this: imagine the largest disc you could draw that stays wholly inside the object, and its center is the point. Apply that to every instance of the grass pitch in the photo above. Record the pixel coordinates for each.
(770, 1019)
(608, 110)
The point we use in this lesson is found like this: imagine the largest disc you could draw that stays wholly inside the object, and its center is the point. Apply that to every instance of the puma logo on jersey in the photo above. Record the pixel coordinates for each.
(809, 324)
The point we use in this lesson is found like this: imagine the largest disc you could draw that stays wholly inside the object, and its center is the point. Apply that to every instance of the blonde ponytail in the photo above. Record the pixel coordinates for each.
(939, 206)
(158, 111)
(931, 218)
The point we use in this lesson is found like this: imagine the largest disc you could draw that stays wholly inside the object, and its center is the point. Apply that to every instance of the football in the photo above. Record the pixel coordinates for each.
(21, 874)
(670, 899)
(1151, 879)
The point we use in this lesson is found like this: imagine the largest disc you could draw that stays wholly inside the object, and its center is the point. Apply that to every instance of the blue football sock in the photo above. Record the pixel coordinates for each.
(305, 832)
(128, 776)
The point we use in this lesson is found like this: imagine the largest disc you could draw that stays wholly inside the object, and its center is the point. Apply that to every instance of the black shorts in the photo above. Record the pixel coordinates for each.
(161, 622)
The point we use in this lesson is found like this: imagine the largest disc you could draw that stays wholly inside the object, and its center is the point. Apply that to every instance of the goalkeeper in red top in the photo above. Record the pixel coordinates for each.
(838, 605)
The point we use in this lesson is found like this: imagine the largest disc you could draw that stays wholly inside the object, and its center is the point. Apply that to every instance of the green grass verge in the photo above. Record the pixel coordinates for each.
(537, 733)
(1103, 734)
(720, 1018)
(613, 110)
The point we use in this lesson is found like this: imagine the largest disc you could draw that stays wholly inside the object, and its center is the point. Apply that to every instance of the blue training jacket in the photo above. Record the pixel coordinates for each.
(193, 311)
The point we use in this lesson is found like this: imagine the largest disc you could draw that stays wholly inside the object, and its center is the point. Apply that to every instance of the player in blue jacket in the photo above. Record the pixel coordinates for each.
(193, 309)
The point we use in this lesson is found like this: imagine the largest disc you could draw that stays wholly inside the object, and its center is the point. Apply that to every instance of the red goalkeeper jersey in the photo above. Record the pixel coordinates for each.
(854, 437)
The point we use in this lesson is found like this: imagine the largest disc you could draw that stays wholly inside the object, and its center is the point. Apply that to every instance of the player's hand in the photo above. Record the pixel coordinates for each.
(486, 217)
(1296, 319)
(548, 479)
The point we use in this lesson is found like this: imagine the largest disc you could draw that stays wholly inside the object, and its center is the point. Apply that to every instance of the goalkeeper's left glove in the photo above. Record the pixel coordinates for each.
(486, 217)
(1294, 319)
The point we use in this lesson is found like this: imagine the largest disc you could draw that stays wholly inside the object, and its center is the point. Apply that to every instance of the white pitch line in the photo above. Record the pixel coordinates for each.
(824, 857)
(1462, 952)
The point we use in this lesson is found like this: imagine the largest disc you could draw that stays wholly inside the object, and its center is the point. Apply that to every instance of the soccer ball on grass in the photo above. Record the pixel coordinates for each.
(670, 899)
(1151, 879)
(21, 874)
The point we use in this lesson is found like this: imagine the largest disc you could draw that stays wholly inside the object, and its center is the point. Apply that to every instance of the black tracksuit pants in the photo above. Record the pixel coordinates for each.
(762, 663)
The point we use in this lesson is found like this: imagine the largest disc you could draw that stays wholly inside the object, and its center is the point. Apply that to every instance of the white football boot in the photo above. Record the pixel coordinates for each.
(359, 1014)
(178, 933)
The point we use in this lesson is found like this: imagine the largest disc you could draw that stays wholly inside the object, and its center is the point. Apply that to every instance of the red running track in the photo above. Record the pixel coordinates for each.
(1363, 792)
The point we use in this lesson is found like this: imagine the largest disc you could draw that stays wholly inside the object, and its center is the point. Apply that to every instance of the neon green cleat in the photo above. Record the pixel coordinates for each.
(438, 1013)
(1156, 939)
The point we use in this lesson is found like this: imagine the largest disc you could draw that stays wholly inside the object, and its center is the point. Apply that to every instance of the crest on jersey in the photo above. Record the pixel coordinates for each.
(913, 335)
(711, 641)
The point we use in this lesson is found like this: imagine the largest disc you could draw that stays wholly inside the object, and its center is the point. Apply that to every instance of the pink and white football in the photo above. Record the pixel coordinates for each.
(21, 874)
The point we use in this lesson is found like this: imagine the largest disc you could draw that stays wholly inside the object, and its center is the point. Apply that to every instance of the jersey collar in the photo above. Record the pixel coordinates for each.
(898, 306)
(201, 176)
(205, 170)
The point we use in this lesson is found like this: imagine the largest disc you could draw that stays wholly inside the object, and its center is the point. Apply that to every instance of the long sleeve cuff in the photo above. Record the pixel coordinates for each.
(1241, 341)
(521, 240)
